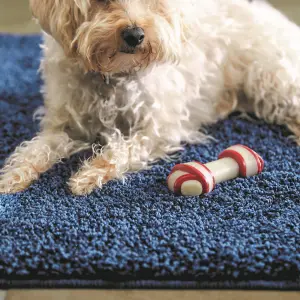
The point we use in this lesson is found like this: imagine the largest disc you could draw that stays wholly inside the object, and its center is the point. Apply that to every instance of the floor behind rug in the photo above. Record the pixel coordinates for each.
(149, 295)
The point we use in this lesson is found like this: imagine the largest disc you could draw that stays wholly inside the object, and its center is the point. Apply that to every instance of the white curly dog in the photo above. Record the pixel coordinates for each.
(134, 79)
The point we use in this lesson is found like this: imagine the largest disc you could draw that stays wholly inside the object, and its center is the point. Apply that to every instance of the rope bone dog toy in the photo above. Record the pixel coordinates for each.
(194, 178)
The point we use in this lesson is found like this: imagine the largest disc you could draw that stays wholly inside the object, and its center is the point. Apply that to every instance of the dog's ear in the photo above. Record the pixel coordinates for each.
(60, 18)
(41, 12)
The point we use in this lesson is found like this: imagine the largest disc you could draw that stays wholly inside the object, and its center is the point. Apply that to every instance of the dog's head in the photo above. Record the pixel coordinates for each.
(113, 36)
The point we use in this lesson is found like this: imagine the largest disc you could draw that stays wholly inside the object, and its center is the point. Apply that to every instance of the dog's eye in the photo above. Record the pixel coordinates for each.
(105, 2)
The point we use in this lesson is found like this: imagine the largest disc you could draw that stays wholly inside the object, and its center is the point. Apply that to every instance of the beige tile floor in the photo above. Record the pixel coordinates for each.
(147, 295)
(15, 14)
(15, 18)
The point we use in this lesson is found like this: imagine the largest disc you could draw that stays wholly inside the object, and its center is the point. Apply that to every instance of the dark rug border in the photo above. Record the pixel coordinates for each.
(149, 284)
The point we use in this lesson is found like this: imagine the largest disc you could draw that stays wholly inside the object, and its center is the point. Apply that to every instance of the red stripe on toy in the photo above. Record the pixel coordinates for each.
(194, 171)
(262, 162)
(210, 173)
(258, 158)
(238, 158)
(179, 181)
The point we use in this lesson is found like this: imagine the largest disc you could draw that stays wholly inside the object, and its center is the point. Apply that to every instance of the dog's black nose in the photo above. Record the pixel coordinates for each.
(133, 36)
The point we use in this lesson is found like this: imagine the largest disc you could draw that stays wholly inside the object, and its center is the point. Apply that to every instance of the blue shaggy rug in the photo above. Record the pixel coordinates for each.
(245, 234)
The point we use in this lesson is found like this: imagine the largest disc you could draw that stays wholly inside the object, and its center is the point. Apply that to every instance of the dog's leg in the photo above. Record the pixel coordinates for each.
(275, 93)
(118, 157)
(272, 76)
(32, 158)
(227, 104)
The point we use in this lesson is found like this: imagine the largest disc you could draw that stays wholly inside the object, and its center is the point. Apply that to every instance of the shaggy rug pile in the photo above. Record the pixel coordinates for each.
(245, 234)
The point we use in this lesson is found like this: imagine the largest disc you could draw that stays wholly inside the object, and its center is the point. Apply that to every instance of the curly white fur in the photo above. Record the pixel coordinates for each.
(137, 108)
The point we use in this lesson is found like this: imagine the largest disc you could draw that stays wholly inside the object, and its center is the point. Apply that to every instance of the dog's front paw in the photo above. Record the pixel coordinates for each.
(14, 180)
(81, 185)
(92, 175)
(295, 128)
